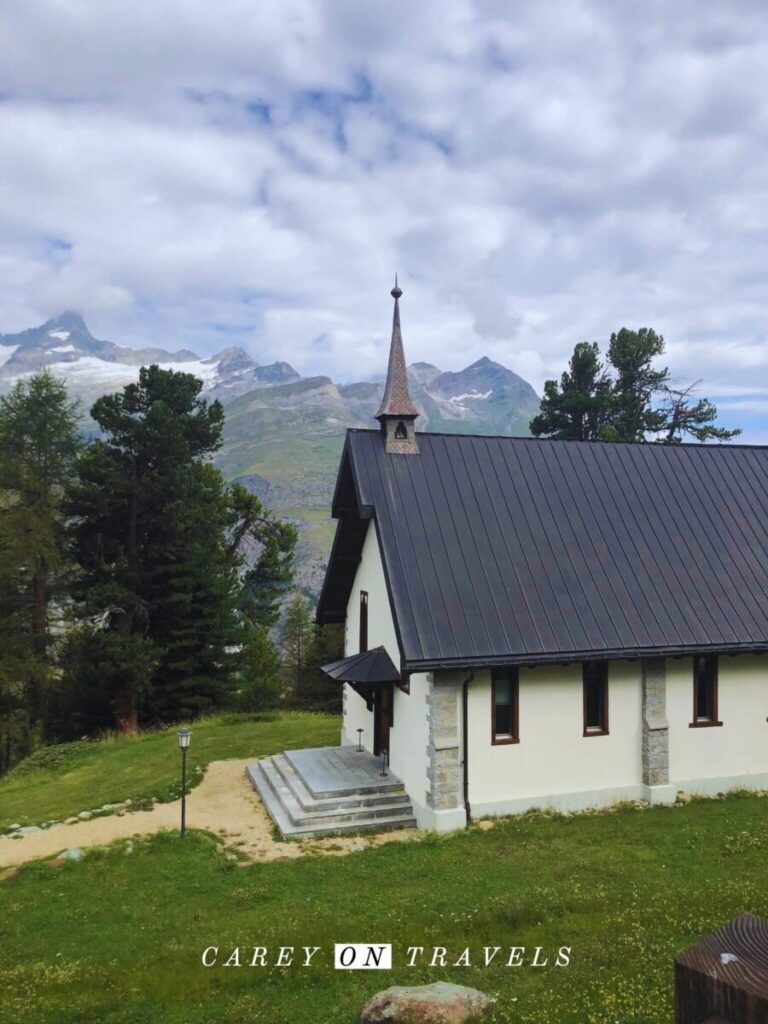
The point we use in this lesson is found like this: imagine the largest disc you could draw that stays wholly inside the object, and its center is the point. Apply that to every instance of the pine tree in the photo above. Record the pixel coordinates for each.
(38, 443)
(259, 672)
(579, 408)
(684, 417)
(297, 636)
(267, 581)
(638, 383)
(151, 532)
(637, 404)
(318, 692)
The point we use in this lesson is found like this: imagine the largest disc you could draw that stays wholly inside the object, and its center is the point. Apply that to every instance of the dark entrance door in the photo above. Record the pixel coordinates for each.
(382, 719)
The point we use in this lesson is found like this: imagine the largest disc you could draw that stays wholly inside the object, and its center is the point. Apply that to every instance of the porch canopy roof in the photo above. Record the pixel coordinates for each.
(368, 668)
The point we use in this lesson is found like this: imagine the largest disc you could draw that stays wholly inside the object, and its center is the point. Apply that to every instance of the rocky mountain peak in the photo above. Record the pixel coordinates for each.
(231, 359)
(69, 320)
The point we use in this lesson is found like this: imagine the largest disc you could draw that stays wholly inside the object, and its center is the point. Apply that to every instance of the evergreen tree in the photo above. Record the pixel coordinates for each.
(39, 440)
(98, 667)
(259, 675)
(38, 443)
(317, 691)
(579, 408)
(270, 577)
(638, 383)
(685, 417)
(637, 404)
(151, 532)
(297, 636)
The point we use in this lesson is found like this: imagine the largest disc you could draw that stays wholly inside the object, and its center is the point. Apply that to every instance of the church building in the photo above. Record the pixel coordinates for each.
(538, 623)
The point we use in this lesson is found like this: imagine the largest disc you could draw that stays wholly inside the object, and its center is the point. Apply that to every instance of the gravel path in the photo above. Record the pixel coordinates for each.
(224, 802)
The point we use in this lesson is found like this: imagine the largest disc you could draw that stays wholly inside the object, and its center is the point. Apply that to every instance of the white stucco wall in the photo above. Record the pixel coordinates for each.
(381, 630)
(554, 765)
(408, 737)
(408, 741)
(711, 759)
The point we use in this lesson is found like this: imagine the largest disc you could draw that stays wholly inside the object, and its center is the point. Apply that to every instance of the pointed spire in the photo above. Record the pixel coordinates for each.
(397, 398)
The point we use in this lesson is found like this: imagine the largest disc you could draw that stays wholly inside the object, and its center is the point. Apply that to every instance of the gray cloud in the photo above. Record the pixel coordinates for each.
(538, 174)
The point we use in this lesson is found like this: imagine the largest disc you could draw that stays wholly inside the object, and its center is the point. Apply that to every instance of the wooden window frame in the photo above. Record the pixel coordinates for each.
(503, 739)
(362, 634)
(714, 721)
(591, 730)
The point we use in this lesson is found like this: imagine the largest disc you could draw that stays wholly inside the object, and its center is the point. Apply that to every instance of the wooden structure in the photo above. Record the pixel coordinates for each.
(724, 978)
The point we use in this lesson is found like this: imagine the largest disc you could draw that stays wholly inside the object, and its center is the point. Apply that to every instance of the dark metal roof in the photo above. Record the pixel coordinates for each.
(517, 550)
(370, 668)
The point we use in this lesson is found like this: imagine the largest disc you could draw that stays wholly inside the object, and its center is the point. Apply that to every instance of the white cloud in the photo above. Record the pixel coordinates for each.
(538, 174)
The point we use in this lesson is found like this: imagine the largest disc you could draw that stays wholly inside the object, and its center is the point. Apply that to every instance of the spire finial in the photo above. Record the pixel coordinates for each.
(397, 291)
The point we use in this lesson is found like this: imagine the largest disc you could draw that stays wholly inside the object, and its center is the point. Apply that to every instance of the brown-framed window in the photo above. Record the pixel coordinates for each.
(363, 645)
(705, 690)
(595, 675)
(505, 724)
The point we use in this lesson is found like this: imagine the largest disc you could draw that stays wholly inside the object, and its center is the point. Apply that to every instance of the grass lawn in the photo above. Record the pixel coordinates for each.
(60, 781)
(118, 938)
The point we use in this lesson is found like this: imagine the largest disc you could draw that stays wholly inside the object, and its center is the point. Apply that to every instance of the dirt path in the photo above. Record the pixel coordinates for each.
(224, 802)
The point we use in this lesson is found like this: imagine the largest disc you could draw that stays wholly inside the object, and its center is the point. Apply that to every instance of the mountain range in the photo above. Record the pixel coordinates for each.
(284, 432)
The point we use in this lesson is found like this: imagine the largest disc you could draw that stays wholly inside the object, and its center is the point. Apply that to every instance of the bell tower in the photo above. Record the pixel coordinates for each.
(397, 413)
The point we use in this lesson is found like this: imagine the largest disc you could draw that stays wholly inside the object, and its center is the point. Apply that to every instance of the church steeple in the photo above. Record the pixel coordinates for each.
(397, 413)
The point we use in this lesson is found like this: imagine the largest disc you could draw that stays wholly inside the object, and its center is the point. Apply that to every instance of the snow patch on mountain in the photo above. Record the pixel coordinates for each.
(61, 335)
(6, 351)
(474, 395)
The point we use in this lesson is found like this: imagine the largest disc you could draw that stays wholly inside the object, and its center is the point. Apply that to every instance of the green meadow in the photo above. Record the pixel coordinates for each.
(118, 937)
(59, 781)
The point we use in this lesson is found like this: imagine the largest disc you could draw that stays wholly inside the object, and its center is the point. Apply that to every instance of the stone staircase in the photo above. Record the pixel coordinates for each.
(328, 791)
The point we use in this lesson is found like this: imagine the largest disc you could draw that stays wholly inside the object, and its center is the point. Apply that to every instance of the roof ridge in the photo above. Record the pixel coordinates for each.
(556, 440)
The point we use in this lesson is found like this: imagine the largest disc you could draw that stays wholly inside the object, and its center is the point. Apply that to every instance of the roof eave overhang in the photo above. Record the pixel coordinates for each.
(327, 613)
(567, 657)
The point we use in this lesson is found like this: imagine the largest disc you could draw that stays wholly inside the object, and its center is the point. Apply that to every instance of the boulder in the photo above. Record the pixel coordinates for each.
(28, 830)
(439, 1003)
(85, 815)
(14, 827)
(74, 854)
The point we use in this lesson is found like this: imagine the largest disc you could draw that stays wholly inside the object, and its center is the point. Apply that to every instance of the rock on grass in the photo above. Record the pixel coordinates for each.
(439, 1003)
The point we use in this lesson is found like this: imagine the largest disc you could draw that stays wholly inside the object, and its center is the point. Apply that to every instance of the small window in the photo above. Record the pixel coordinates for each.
(504, 707)
(595, 698)
(705, 690)
(401, 432)
(363, 646)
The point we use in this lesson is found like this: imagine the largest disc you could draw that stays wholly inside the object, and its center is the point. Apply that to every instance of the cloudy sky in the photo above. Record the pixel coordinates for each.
(253, 172)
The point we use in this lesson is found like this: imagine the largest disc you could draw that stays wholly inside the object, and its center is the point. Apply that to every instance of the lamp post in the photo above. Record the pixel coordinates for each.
(184, 737)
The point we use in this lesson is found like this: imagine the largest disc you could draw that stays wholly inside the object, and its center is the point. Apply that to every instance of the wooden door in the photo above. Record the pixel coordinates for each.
(382, 719)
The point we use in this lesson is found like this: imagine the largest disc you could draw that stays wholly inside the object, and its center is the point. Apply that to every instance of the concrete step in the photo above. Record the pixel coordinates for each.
(301, 816)
(378, 784)
(323, 827)
(369, 798)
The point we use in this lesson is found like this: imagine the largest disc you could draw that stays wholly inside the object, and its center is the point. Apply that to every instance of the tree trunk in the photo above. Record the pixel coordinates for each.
(127, 712)
(40, 617)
